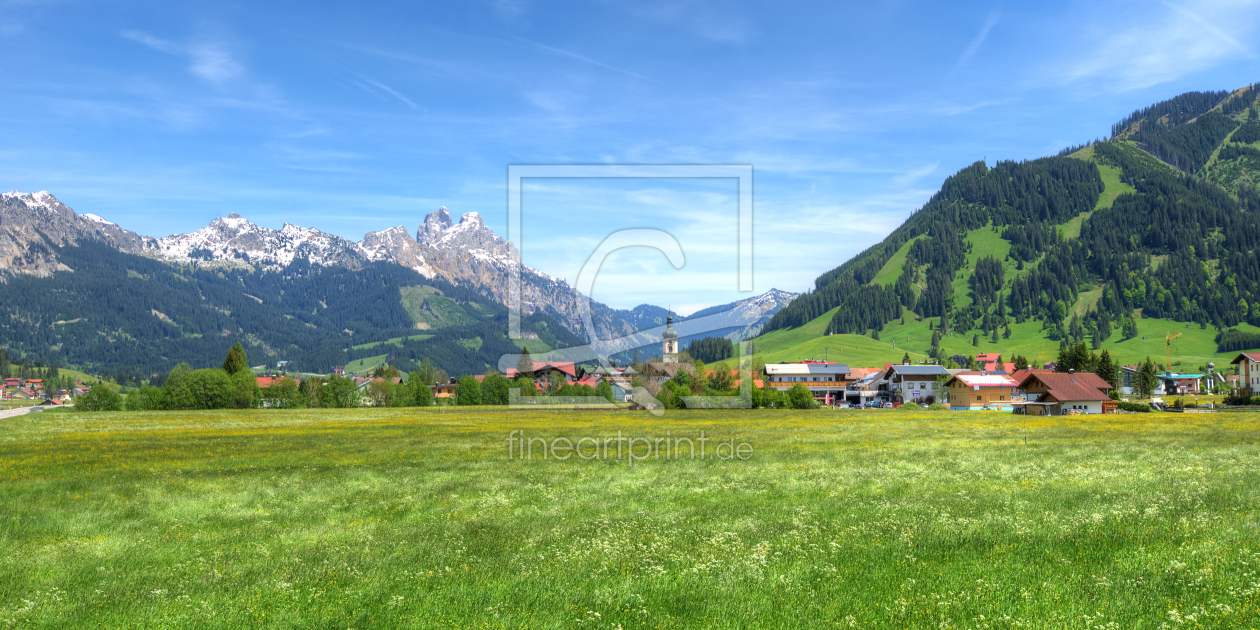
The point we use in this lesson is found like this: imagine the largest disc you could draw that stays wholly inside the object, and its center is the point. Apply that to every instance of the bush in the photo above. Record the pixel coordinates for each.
(211, 389)
(468, 392)
(1135, 406)
(282, 394)
(605, 390)
(494, 389)
(244, 389)
(800, 397)
(146, 399)
(101, 398)
(339, 393)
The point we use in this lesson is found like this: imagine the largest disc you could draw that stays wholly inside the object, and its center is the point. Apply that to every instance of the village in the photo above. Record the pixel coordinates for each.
(993, 383)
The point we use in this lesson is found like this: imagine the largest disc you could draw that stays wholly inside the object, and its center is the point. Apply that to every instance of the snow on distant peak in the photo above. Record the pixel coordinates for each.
(96, 219)
(42, 199)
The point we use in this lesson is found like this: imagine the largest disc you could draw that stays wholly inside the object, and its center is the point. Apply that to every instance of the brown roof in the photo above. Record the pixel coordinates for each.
(1020, 375)
(1066, 387)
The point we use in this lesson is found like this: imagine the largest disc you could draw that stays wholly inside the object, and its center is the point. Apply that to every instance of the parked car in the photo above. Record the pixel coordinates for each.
(895, 405)
(889, 405)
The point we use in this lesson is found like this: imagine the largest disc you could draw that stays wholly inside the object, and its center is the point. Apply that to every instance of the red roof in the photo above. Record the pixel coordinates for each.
(1020, 375)
(988, 357)
(1065, 387)
(1251, 356)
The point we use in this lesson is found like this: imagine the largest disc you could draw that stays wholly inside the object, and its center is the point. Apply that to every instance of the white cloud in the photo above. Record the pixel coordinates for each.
(1163, 45)
(978, 40)
(211, 61)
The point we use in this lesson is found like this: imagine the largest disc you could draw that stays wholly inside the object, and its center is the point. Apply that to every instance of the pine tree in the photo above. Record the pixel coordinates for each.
(905, 360)
(1147, 380)
(525, 365)
(1107, 370)
(975, 340)
(236, 360)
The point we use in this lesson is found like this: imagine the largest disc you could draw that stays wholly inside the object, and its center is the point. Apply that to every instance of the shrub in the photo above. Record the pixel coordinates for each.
(800, 397)
(101, 398)
(1135, 406)
(146, 399)
(468, 392)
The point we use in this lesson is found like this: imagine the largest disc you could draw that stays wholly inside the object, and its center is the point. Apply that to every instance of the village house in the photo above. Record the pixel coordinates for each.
(443, 391)
(825, 380)
(980, 391)
(543, 370)
(866, 386)
(1180, 384)
(916, 383)
(1248, 373)
(1053, 393)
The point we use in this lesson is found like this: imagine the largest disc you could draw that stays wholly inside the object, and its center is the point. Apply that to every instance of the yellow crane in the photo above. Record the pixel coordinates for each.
(1168, 340)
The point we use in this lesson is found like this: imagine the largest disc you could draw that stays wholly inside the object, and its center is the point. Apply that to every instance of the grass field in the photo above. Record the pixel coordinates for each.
(366, 364)
(1196, 347)
(401, 518)
(396, 341)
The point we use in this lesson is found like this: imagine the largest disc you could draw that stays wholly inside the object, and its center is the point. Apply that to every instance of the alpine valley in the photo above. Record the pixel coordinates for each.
(1114, 244)
(76, 289)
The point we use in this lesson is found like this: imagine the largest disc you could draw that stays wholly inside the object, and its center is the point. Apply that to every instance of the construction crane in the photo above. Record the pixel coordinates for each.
(1168, 340)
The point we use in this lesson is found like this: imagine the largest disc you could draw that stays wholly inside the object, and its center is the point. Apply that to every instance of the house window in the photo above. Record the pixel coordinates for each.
(977, 399)
(1001, 397)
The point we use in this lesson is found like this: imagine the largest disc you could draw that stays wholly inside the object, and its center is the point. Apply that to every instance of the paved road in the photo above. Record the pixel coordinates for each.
(9, 413)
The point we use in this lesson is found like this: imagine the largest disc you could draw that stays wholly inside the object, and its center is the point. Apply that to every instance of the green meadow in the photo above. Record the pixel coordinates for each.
(404, 518)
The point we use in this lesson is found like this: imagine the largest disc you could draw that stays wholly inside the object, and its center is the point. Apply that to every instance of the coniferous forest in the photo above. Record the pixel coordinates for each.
(1180, 245)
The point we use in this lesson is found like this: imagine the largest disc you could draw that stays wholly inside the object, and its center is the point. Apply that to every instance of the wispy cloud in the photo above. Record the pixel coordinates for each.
(716, 22)
(582, 58)
(914, 174)
(367, 85)
(978, 40)
(1161, 46)
(211, 61)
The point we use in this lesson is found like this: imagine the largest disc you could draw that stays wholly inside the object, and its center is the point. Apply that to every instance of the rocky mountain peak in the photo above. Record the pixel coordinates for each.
(435, 223)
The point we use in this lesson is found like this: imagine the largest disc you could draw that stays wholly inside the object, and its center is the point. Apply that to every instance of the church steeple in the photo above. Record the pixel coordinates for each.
(669, 341)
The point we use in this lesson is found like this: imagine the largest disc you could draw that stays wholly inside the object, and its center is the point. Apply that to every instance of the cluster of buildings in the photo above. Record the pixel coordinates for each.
(997, 386)
(34, 389)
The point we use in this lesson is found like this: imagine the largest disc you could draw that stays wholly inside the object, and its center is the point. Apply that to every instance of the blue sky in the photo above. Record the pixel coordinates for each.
(356, 117)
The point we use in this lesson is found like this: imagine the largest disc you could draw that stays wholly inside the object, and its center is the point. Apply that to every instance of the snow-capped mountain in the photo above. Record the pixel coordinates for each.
(465, 253)
(234, 241)
(31, 222)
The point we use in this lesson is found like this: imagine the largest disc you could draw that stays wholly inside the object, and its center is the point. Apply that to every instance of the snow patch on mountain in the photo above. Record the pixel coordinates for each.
(97, 219)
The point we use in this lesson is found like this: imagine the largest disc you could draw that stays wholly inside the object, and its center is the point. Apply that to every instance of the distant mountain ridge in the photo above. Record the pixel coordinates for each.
(464, 253)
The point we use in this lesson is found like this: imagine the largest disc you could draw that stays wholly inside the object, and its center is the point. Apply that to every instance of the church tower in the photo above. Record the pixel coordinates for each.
(669, 342)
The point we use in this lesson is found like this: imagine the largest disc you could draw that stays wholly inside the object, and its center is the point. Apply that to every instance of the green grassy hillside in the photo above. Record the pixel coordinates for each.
(1195, 348)
(396, 341)
(1103, 267)
(429, 309)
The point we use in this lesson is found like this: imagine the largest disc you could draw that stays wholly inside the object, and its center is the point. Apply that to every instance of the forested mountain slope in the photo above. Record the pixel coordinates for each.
(1173, 237)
